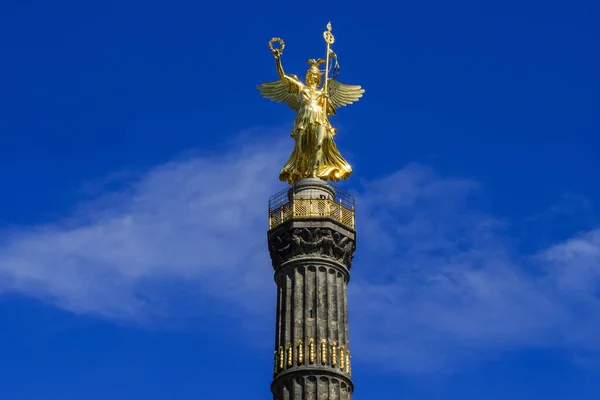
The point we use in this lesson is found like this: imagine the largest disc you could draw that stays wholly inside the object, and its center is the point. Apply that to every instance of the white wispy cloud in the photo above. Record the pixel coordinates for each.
(201, 219)
(435, 282)
(443, 283)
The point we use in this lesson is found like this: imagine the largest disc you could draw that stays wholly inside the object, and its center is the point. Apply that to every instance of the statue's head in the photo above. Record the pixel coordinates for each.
(314, 75)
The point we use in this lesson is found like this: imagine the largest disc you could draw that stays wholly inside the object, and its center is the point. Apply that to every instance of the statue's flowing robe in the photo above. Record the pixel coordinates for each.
(311, 123)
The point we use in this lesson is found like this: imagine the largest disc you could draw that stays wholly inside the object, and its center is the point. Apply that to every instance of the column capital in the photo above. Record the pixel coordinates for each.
(312, 239)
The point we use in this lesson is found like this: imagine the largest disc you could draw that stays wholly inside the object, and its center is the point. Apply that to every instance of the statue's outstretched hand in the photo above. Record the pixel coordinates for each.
(276, 51)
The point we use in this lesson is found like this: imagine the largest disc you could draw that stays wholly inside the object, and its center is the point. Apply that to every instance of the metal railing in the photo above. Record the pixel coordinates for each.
(282, 209)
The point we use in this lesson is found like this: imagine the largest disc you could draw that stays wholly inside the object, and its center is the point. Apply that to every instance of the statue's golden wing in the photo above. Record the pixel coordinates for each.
(281, 92)
(341, 94)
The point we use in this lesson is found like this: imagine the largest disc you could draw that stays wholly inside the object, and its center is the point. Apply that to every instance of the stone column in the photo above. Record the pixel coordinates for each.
(312, 258)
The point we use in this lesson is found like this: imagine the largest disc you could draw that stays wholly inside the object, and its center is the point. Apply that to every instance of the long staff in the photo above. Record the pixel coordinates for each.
(329, 39)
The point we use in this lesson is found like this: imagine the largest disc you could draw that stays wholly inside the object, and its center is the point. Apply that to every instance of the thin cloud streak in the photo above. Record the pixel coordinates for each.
(187, 220)
(435, 282)
(448, 286)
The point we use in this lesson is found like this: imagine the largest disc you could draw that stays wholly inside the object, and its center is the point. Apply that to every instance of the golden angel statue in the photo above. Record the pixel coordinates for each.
(315, 154)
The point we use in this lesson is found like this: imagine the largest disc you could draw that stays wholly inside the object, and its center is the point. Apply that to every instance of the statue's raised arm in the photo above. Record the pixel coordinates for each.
(287, 89)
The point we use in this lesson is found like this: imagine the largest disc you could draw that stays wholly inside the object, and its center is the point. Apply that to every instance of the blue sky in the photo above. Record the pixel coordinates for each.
(137, 158)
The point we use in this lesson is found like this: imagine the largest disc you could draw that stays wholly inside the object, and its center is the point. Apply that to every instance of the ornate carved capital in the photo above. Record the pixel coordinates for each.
(329, 243)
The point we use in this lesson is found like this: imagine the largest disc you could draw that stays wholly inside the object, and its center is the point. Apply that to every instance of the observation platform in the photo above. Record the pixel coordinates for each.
(311, 198)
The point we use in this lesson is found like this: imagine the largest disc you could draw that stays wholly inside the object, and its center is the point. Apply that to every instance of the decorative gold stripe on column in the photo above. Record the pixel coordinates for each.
(323, 351)
(281, 358)
(290, 358)
(342, 358)
(333, 353)
(311, 350)
(348, 361)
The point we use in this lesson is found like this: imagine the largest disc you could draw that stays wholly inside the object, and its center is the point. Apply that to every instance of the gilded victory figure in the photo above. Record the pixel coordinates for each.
(315, 154)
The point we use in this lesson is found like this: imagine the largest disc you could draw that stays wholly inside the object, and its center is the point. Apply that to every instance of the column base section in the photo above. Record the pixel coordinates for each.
(312, 384)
